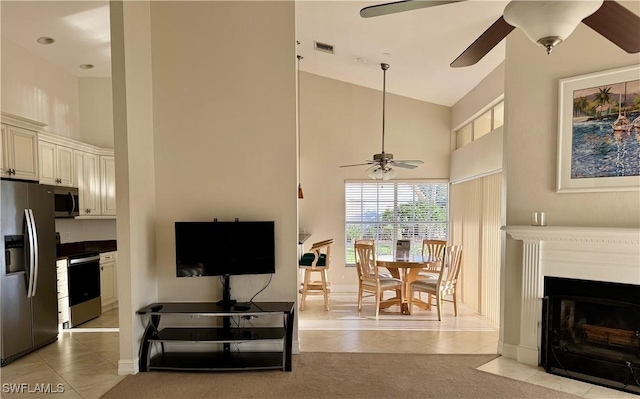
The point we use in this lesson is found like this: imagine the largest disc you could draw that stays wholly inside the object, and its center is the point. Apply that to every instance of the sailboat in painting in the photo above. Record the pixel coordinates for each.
(622, 123)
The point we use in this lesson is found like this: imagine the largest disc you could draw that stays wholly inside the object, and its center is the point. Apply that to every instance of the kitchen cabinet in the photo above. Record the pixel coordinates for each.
(87, 175)
(20, 153)
(63, 292)
(56, 164)
(108, 185)
(108, 281)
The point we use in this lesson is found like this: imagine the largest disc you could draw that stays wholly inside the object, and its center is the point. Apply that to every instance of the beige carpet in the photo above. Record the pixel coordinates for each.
(340, 375)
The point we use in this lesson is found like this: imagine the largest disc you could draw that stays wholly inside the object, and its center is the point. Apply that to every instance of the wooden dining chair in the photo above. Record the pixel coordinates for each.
(369, 278)
(446, 282)
(433, 249)
(317, 260)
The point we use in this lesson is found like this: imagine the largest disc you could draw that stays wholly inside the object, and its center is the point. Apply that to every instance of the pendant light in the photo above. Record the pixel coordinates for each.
(300, 194)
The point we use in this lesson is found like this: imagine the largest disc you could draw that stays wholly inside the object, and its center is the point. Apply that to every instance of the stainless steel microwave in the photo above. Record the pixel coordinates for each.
(67, 202)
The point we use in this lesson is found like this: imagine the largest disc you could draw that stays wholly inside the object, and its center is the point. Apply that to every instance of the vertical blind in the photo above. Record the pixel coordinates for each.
(390, 211)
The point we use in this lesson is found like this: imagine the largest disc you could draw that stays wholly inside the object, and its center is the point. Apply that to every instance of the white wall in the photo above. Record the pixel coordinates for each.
(341, 124)
(36, 89)
(482, 156)
(531, 118)
(96, 111)
(472, 104)
(224, 131)
(478, 158)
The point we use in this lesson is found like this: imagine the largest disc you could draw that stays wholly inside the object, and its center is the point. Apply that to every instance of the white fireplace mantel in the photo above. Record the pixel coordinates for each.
(588, 253)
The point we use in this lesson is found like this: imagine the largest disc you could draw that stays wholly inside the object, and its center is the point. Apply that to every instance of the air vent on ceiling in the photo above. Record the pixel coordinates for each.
(327, 48)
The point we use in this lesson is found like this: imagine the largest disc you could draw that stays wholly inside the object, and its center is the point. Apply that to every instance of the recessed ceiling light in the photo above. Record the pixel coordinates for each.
(45, 40)
(86, 66)
(360, 59)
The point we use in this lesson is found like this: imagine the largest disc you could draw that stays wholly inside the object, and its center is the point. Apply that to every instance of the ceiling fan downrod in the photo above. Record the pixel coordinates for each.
(384, 95)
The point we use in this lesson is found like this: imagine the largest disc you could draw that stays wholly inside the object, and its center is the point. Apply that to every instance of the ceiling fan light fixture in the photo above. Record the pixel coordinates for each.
(382, 173)
(548, 23)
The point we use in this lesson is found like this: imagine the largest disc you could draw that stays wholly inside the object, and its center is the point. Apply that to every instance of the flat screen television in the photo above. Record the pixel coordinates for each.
(224, 248)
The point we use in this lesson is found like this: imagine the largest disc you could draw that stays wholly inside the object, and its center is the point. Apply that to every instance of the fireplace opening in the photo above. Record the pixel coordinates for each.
(591, 332)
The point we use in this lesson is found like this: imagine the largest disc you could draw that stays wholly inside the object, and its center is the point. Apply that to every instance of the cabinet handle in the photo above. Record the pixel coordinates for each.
(102, 268)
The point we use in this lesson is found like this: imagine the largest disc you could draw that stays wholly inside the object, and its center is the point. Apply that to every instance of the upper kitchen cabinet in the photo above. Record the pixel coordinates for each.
(19, 147)
(56, 162)
(108, 185)
(87, 173)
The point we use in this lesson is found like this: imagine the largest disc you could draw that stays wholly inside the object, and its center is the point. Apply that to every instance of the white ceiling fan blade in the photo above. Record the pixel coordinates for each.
(400, 6)
(410, 161)
(404, 165)
(356, 164)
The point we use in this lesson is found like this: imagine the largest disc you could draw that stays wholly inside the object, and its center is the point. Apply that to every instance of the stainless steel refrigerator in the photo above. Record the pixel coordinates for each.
(29, 308)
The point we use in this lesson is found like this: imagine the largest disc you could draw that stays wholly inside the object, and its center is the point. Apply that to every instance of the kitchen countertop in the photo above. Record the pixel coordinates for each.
(73, 248)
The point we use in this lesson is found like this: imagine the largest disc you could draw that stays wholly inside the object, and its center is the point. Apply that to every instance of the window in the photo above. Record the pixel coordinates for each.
(464, 135)
(389, 211)
(481, 125)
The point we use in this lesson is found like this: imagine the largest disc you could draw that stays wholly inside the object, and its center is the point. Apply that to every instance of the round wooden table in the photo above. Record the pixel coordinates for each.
(408, 272)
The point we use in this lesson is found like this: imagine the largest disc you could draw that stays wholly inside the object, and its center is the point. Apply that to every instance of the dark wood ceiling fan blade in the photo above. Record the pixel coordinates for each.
(618, 24)
(400, 6)
(483, 44)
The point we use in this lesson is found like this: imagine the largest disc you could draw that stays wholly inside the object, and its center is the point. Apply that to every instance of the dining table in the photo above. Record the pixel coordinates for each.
(408, 271)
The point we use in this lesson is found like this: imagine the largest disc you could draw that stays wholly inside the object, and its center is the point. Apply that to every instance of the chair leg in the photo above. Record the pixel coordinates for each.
(439, 302)
(410, 298)
(359, 296)
(429, 302)
(455, 304)
(377, 302)
(325, 289)
(305, 282)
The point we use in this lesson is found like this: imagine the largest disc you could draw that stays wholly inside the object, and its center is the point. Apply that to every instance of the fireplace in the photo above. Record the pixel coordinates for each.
(591, 332)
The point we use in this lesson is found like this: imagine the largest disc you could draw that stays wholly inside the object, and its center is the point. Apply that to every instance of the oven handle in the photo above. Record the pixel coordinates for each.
(81, 261)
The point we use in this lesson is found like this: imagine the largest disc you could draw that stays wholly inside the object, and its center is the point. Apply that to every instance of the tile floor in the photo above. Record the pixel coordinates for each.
(85, 362)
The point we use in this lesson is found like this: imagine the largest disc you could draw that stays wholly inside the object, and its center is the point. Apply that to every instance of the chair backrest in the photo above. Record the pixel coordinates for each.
(451, 267)
(365, 251)
(433, 248)
(317, 248)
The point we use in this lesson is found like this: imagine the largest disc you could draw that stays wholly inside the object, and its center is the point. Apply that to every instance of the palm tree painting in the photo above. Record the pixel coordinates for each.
(603, 140)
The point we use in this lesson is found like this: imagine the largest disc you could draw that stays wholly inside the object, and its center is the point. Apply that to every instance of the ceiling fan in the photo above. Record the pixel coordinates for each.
(383, 163)
(544, 22)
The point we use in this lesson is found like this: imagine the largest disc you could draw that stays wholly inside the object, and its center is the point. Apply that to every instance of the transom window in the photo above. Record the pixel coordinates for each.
(481, 125)
(393, 210)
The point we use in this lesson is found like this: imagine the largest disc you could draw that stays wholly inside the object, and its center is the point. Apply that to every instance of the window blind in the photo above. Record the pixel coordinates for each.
(389, 211)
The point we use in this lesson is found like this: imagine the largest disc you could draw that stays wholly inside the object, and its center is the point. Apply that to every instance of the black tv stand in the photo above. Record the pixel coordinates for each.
(210, 359)
(226, 293)
(227, 303)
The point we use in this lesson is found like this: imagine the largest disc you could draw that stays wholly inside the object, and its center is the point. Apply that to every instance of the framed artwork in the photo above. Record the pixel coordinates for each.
(599, 131)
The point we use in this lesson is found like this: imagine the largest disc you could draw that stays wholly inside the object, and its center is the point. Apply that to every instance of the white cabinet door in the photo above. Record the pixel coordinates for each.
(108, 182)
(108, 280)
(86, 166)
(56, 164)
(21, 153)
(47, 161)
(64, 166)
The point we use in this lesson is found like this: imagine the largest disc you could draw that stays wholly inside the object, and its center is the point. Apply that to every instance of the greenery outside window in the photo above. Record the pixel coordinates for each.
(392, 210)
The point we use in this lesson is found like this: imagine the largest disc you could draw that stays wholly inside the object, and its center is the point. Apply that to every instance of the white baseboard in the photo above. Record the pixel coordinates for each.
(128, 367)
(528, 355)
(507, 350)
